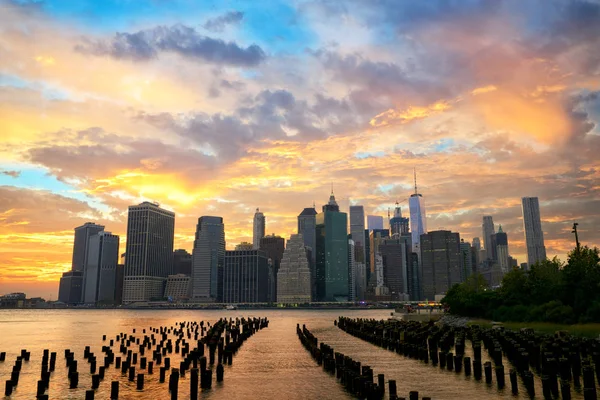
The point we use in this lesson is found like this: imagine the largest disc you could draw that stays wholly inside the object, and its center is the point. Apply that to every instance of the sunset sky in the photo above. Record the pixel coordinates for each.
(219, 107)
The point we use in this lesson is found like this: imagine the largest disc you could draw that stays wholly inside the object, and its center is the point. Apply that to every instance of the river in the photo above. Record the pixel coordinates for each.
(272, 364)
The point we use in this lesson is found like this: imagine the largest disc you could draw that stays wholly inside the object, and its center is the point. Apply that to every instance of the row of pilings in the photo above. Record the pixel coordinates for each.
(356, 378)
(559, 360)
(197, 345)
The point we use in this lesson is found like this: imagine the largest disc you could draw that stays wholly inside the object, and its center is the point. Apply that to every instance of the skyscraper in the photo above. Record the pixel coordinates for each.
(100, 272)
(81, 244)
(441, 262)
(395, 267)
(307, 228)
(245, 276)
(398, 224)
(273, 246)
(332, 253)
(477, 251)
(487, 229)
(71, 285)
(149, 251)
(357, 229)
(418, 218)
(374, 222)
(375, 238)
(502, 251)
(466, 255)
(534, 235)
(293, 277)
(208, 258)
(258, 230)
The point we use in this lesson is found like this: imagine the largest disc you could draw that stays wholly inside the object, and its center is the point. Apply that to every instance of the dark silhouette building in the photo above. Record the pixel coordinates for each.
(182, 262)
(245, 276)
(307, 228)
(273, 246)
(441, 262)
(208, 258)
(70, 288)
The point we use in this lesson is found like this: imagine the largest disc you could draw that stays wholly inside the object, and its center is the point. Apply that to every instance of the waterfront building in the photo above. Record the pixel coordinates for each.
(418, 219)
(441, 262)
(208, 258)
(258, 228)
(374, 222)
(273, 246)
(70, 287)
(332, 253)
(182, 262)
(119, 280)
(477, 251)
(488, 230)
(534, 235)
(307, 226)
(81, 244)
(502, 251)
(395, 266)
(245, 276)
(293, 276)
(178, 287)
(368, 255)
(149, 251)
(99, 274)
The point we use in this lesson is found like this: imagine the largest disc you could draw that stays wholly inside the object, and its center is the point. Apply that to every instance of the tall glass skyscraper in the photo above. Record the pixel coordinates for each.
(418, 222)
(534, 235)
(149, 251)
(307, 226)
(332, 253)
(208, 258)
(441, 262)
(398, 224)
(100, 272)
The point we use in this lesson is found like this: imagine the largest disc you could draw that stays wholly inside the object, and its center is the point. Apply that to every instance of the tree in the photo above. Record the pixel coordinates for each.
(515, 288)
(544, 281)
(581, 279)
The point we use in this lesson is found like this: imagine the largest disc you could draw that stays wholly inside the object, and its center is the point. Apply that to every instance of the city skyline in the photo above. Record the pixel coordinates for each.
(359, 96)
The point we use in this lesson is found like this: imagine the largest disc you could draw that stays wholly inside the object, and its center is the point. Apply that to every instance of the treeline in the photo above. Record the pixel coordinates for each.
(551, 291)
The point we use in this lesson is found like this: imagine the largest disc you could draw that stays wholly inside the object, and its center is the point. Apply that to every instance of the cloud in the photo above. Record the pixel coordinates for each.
(219, 23)
(14, 174)
(180, 39)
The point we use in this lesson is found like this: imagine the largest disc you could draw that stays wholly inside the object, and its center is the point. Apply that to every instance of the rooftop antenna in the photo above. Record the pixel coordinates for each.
(331, 187)
(576, 236)
(415, 172)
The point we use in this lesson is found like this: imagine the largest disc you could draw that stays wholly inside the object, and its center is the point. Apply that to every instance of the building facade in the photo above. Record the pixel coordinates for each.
(149, 252)
(293, 276)
(357, 229)
(466, 255)
(245, 277)
(258, 228)
(488, 230)
(502, 250)
(307, 225)
(441, 262)
(81, 244)
(70, 287)
(534, 235)
(274, 247)
(178, 287)
(399, 224)
(182, 262)
(332, 253)
(208, 258)
(395, 266)
(418, 220)
(99, 274)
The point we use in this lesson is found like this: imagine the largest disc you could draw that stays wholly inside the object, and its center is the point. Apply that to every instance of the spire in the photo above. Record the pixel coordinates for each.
(415, 172)
(332, 188)
(500, 229)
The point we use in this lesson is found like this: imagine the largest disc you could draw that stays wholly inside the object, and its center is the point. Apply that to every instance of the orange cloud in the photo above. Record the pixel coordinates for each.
(409, 114)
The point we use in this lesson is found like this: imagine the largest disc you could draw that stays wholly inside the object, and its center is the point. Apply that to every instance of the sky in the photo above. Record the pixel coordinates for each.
(220, 107)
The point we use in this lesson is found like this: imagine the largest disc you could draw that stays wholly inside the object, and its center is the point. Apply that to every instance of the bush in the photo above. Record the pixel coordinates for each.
(592, 314)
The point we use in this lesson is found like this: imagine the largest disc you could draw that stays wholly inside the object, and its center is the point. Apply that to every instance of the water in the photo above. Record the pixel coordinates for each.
(272, 364)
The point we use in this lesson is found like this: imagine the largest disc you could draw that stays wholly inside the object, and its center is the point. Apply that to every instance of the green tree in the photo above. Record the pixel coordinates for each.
(581, 279)
(515, 288)
(544, 281)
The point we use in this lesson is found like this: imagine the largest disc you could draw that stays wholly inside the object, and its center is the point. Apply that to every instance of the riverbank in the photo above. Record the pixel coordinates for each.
(583, 330)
